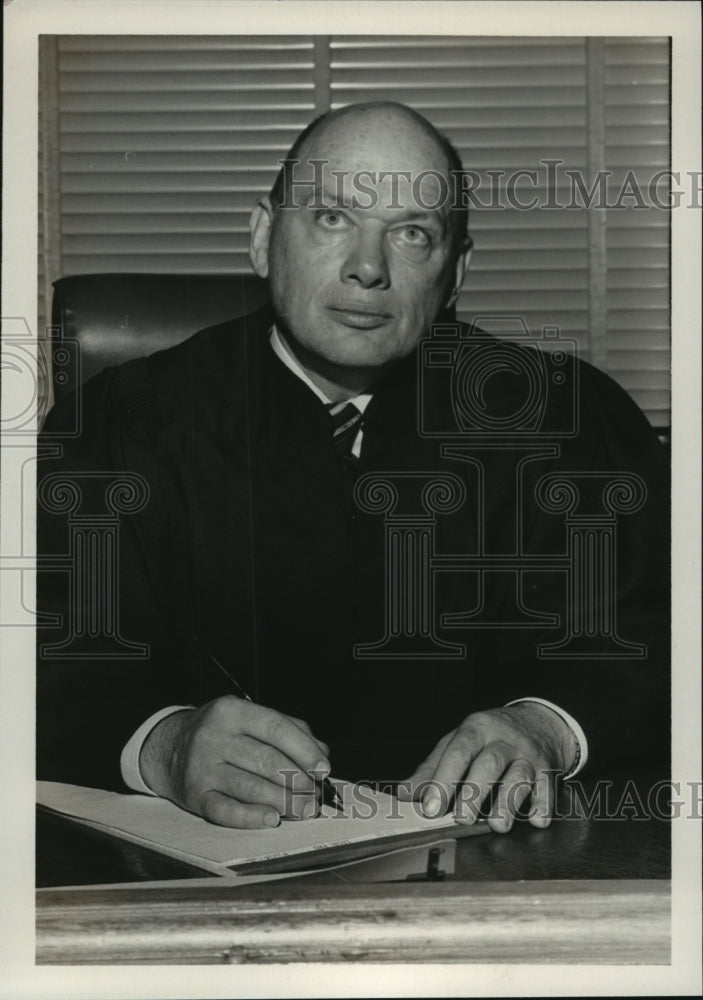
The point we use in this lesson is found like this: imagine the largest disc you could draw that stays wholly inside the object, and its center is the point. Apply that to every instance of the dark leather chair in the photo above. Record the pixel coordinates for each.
(101, 320)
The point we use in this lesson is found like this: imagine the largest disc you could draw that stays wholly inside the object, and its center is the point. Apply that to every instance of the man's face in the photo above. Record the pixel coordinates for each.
(363, 263)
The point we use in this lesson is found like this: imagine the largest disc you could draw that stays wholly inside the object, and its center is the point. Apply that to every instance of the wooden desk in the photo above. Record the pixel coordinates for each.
(584, 922)
(586, 890)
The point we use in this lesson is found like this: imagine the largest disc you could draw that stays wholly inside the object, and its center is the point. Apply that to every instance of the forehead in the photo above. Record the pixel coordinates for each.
(377, 141)
(394, 155)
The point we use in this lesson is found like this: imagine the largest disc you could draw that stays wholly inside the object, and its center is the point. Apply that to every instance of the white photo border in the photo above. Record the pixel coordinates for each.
(25, 20)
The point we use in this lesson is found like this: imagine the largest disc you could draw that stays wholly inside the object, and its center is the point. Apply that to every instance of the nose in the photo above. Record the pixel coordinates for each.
(366, 264)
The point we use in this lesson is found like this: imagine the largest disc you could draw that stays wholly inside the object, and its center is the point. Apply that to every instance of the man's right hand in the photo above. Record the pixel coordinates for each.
(236, 763)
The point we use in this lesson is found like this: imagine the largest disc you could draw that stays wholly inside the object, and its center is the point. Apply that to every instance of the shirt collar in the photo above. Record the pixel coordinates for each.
(282, 351)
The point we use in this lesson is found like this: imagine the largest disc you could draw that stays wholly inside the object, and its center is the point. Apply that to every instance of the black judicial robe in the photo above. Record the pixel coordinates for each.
(252, 540)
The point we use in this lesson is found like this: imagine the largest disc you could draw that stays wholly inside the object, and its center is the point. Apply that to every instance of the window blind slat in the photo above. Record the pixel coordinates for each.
(484, 46)
(639, 296)
(92, 225)
(496, 118)
(621, 360)
(453, 99)
(626, 279)
(258, 161)
(186, 81)
(502, 299)
(163, 243)
(272, 145)
(622, 114)
(265, 121)
(139, 182)
(85, 203)
(112, 45)
(652, 51)
(197, 59)
(120, 102)
(628, 323)
(446, 77)
(621, 135)
(158, 263)
(649, 256)
(635, 73)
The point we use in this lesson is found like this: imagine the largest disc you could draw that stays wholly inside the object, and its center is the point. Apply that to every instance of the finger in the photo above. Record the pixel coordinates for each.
(542, 801)
(252, 789)
(216, 807)
(486, 770)
(457, 757)
(301, 805)
(269, 726)
(268, 762)
(517, 785)
(411, 787)
(302, 724)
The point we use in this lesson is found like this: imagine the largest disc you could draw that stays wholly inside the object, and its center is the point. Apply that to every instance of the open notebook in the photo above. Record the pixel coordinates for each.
(371, 821)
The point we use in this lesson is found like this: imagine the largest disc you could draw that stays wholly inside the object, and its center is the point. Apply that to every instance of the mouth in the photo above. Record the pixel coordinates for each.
(360, 317)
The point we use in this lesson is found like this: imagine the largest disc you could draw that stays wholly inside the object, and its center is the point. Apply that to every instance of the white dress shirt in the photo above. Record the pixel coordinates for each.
(361, 401)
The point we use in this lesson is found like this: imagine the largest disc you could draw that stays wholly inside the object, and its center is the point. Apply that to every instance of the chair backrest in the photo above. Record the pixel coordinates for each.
(106, 319)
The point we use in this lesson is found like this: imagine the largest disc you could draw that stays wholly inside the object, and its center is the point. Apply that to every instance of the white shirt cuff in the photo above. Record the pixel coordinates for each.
(129, 760)
(578, 733)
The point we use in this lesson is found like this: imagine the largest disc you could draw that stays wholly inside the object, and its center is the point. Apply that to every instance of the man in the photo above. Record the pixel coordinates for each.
(254, 557)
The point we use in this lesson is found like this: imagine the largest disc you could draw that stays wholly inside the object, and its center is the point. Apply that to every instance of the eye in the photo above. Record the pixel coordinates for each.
(330, 219)
(413, 236)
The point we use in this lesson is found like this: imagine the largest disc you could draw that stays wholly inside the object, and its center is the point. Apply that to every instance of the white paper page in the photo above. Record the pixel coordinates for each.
(161, 825)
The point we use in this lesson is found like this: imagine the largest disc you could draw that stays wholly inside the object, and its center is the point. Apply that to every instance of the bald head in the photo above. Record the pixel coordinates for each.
(379, 136)
(385, 120)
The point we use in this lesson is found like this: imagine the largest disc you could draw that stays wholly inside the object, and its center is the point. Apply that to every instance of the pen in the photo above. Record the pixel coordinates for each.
(330, 796)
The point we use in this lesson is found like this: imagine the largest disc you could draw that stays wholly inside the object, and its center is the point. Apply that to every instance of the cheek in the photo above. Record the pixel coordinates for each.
(421, 298)
(298, 265)
(290, 271)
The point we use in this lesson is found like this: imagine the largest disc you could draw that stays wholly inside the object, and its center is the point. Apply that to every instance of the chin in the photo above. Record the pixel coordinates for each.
(371, 351)
(365, 358)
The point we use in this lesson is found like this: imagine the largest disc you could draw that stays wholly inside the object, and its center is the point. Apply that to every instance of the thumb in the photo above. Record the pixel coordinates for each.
(424, 771)
(542, 800)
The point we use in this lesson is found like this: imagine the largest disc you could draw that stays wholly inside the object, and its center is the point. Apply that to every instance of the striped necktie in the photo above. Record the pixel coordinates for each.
(346, 423)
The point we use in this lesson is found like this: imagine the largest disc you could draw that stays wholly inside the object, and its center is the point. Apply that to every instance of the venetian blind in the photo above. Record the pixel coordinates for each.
(163, 144)
(637, 122)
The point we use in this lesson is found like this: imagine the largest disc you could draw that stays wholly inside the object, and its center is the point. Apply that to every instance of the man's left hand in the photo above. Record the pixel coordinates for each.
(521, 747)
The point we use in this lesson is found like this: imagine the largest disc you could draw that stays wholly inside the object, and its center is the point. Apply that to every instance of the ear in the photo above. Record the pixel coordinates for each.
(461, 267)
(260, 223)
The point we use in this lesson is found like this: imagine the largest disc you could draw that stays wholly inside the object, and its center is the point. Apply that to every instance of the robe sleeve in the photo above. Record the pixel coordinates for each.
(114, 636)
(617, 688)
